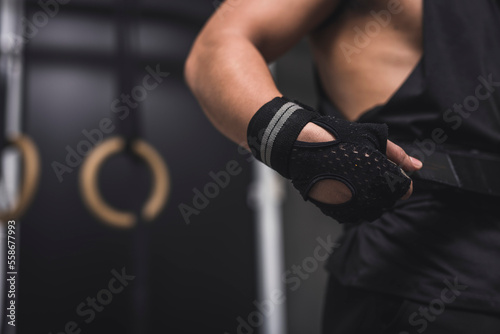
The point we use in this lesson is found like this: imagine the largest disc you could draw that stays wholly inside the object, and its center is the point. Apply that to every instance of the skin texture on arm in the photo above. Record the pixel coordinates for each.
(227, 70)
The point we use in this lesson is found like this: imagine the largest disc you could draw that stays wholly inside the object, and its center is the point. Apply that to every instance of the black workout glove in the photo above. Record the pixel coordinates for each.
(356, 158)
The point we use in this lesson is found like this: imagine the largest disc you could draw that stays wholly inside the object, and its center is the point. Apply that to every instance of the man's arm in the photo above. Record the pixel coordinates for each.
(227, 67)
(228, 73)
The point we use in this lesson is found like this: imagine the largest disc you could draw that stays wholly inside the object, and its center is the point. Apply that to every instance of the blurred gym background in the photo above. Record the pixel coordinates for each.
(132, 213)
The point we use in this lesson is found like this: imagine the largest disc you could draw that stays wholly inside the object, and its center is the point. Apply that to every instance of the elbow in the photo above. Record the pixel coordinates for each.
(193, 65)
(190, 70)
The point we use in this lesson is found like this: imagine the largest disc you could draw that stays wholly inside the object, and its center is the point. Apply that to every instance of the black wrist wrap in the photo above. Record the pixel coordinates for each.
(274, 129)
(356, 158)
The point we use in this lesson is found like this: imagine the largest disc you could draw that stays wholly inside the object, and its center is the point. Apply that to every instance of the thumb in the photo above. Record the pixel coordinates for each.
(397, 155)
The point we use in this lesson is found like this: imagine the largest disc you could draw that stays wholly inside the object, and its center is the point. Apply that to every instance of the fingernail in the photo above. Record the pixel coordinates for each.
(417, 163)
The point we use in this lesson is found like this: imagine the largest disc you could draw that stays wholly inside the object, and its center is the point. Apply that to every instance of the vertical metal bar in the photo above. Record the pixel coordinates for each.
(267, 197)
(13, 50)
(11, 56)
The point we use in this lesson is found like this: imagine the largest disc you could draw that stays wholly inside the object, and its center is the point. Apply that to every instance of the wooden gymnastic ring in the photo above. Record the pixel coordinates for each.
(30, 177)
(90, 189)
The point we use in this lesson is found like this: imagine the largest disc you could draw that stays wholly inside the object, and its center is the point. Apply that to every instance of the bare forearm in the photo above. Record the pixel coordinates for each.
(231, 81)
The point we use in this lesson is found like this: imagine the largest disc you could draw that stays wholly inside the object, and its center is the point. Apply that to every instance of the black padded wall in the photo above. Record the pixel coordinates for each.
(197, 277)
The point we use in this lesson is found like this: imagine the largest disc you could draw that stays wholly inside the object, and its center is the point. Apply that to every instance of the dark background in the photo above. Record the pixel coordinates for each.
(190, 278)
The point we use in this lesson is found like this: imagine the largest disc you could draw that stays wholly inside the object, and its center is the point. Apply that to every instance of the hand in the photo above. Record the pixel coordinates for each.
(336, 192)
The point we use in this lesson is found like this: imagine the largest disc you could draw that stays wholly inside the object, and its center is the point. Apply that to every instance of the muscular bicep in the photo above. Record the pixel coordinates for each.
(273, 26)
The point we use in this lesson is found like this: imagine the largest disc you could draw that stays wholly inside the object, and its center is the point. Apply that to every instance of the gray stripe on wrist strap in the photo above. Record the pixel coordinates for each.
(273, 128)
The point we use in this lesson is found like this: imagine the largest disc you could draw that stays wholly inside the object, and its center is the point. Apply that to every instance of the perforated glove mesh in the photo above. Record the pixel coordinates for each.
(356, 158)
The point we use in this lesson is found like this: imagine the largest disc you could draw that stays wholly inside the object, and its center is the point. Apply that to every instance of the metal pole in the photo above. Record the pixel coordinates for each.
(267, 196)
(11, 59)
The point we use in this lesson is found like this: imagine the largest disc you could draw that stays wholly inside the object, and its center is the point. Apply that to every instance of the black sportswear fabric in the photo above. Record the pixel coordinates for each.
(351, 310)
(461, 52)
(437, 234)
(434, 236)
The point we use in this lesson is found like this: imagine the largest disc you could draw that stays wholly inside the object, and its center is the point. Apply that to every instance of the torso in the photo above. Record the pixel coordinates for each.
(361, 70)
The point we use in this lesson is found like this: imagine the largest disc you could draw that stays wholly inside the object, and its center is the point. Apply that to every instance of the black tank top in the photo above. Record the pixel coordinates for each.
(461, 52)
(437, 236)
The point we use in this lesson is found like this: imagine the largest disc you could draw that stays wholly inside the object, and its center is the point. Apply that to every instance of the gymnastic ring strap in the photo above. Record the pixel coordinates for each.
(30, 177)
(90, 189)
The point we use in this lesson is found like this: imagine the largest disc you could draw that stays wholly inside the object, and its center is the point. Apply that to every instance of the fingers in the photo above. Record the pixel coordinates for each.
(397, 155)
(407, 163)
